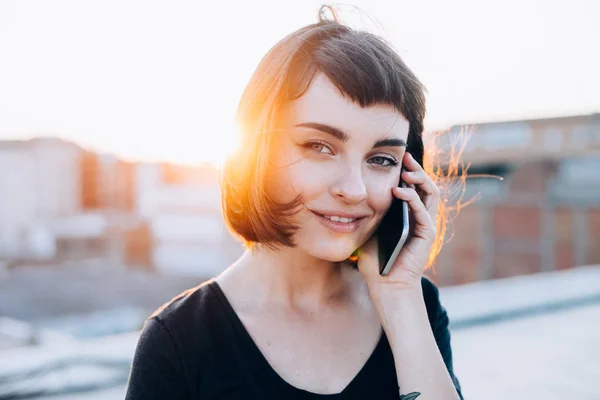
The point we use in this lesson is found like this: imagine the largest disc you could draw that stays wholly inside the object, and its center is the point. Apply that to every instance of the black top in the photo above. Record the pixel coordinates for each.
(196, 347)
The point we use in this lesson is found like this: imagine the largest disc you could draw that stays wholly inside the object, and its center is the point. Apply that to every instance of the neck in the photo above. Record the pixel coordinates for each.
(290, 278)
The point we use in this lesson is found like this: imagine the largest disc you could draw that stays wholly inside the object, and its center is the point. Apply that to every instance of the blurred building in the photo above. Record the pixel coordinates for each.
(182, 206)
(39, 180)
(545, 213)
(59, 201)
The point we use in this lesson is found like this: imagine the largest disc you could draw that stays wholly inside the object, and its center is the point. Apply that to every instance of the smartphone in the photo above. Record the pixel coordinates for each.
(392, 233)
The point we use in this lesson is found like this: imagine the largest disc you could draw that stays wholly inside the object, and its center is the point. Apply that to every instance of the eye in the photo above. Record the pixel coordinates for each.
(318, 147)
(382, 161)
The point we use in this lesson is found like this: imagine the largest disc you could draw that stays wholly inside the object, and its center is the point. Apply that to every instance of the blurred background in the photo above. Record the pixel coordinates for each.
(116, 115)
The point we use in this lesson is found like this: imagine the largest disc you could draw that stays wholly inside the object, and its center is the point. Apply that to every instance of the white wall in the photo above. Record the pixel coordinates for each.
(188, 230)
(18, 206)
(154, 197)
(58, 173)
(39, 179)
(207, 228)
(187, 259)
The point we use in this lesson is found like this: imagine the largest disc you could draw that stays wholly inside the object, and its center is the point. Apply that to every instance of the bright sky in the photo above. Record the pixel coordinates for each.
(161, 79)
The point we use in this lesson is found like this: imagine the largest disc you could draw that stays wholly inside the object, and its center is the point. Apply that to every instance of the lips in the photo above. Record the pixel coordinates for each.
(336, 218)
(346, 223)
(339, 214)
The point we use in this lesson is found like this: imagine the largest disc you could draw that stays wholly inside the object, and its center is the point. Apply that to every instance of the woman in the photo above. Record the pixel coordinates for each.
(329, 118)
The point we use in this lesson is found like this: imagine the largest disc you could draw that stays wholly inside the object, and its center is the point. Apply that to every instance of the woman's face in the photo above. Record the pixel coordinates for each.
(343, 160)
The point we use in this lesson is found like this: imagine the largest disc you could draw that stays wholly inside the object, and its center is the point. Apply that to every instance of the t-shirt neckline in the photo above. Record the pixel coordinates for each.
(256, 361)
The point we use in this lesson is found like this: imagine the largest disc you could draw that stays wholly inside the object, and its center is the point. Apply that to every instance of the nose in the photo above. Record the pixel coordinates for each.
(350, 186)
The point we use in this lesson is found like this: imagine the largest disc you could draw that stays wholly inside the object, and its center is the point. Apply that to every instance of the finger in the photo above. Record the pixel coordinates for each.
(431, 201)
(424, 223)
(429, 191)
(417, 176)
(422, 181)
(410, 163)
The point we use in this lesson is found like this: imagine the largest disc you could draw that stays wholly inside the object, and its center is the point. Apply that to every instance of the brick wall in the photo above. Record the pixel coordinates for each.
(523, 231)
(593, 234)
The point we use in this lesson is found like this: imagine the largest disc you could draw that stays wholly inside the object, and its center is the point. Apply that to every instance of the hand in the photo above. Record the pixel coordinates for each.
(423, 197)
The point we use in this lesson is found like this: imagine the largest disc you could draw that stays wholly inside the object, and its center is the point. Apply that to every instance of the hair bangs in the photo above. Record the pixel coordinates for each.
(361, 65)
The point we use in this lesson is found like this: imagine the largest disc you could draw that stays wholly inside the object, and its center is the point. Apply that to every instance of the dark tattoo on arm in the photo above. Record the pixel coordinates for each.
(410, 396)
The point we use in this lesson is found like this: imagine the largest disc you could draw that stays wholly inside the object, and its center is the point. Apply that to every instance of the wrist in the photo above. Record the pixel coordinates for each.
(398, 309)
(393, 293)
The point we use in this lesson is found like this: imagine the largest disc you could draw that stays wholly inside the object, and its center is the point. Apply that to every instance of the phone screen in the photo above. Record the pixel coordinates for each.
(392, 233)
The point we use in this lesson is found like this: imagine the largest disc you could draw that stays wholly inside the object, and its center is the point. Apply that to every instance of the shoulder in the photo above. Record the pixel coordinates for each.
(431, 295)
(186, 343)
(193, 320)
(440, 326)
(178, 346)
(186, 303)
(192, 310)
(430, 290)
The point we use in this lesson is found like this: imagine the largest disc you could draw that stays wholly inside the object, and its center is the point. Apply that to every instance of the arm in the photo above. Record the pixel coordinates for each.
(417, 344)
(422, 355)
(156, 371)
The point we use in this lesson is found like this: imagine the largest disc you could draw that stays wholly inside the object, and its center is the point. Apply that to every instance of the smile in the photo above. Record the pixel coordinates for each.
(335, 218)
(339, 224)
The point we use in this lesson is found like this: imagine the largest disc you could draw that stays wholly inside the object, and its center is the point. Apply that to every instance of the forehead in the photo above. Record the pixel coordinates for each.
(324, 103)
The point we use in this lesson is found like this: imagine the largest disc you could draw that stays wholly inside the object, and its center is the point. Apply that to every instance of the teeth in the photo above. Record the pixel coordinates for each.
(340, 219)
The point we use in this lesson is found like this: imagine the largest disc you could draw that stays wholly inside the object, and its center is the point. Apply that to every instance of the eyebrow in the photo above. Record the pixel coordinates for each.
(343, 136)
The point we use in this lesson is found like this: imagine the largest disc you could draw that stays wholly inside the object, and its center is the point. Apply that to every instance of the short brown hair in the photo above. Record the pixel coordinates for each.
(361, 65)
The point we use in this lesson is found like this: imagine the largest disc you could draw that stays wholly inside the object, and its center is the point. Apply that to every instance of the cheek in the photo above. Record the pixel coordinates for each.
(308, 178)
(380, 194)
(297, 176)
(277, 185)
(278, 174)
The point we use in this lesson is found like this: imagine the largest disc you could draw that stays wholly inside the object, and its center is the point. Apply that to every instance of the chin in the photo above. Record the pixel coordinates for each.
(334, 258)
(325, 246)
(332, 252)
